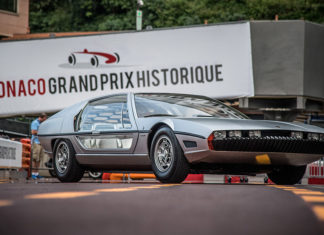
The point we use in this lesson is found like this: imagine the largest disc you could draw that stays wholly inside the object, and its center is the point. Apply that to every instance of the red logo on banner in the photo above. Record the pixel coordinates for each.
(94, 58)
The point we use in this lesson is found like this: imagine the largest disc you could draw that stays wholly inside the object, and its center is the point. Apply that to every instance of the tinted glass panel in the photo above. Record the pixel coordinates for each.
(149, 105)
(106, 114)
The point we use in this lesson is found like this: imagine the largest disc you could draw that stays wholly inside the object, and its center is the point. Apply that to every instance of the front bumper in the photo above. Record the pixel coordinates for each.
(250, 158)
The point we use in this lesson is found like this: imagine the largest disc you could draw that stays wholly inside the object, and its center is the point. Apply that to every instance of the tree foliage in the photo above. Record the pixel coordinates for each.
(106, 15)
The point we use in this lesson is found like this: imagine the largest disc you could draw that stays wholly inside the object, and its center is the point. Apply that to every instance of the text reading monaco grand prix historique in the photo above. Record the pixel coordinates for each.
(76, 83)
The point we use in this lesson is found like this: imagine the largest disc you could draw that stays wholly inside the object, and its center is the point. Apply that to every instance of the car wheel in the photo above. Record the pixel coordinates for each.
(66, 167)
(94, 61)
(287, 174)
(72, 59)
(168, 162)
(95, 174)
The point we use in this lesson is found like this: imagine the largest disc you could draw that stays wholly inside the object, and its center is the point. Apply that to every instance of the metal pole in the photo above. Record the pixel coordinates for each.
(31, 160)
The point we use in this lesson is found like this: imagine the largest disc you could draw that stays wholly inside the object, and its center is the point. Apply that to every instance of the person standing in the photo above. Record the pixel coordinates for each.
(37, 149)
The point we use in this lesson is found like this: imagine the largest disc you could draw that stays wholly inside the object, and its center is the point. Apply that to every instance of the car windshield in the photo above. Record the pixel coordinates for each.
(154, 105)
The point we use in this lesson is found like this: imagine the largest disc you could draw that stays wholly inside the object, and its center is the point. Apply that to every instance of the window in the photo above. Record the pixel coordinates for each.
(149, 105)
(8, 5)
(105, 115)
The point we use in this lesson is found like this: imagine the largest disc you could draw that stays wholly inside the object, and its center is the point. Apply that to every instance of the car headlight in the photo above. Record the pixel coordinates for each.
(255, 134)
(220, 134)
(313, 136)
(296, 134)
(235, 133)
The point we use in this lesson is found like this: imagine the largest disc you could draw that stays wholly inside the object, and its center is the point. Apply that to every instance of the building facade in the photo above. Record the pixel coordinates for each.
(14, 17)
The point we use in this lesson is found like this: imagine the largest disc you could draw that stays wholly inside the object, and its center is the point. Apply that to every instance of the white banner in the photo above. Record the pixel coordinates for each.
(10, 153)
(50, 74)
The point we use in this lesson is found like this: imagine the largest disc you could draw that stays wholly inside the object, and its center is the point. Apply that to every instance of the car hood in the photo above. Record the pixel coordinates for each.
(204, 126)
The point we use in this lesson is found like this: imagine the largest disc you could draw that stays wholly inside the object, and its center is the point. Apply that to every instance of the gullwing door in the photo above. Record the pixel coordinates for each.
(105, 126)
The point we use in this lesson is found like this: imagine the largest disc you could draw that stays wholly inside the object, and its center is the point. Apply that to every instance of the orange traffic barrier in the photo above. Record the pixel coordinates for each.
(25, 141)
(106, 176)
(121, 176)
(118, 176)
(26, 147)
(194, 178)
(26, 154)
(142, 176)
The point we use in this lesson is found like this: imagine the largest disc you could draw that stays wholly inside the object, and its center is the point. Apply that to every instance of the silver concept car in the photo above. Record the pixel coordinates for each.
(173, 135)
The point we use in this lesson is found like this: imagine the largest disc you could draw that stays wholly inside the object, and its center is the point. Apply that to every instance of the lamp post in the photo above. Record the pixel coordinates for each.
(139, 15)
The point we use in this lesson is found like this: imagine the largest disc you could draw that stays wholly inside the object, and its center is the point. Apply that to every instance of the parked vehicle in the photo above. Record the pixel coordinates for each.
(173, 135)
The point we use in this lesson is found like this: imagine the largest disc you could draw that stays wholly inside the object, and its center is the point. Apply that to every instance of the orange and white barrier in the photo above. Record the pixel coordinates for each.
(26, 155)
(315, 172)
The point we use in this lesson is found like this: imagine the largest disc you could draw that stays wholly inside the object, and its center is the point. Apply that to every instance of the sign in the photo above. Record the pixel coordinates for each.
(10, 153)
(47, 75)
(139, 20)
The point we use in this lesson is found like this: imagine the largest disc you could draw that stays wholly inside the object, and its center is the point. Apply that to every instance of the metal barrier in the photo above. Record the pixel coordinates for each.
(316, 169)
(315, 172)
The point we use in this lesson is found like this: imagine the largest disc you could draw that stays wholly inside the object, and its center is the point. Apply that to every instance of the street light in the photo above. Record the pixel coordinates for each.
(140, 3)
(139, 15)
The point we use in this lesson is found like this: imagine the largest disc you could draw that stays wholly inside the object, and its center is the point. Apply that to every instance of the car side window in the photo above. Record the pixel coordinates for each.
(106, 114)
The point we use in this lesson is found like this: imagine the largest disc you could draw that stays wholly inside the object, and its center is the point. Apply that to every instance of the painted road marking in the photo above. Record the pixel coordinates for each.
(313, 198)
(308, 192)
(319, 211)
(281, 187)
(6, 203)
(308, 196)
(105, 190)
(147, 187)
(60, 195)
(66, 195)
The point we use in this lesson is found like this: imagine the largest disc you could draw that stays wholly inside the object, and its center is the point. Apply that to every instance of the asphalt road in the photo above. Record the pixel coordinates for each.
(102, 208)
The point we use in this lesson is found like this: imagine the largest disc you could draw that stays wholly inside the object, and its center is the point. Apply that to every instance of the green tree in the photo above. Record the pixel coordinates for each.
(106, 15)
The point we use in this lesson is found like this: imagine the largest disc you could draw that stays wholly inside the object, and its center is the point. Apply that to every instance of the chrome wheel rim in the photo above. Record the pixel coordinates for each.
(62, 157)
(163, 154)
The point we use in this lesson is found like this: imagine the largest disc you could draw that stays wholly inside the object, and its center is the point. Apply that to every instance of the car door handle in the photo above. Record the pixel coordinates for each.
(96, 133)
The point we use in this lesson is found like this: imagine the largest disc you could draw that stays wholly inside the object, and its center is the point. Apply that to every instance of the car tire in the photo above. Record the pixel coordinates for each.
(168, 162)
(287, 174)
(72, 59)
(94, 61)
(67, 169)
(95, 174)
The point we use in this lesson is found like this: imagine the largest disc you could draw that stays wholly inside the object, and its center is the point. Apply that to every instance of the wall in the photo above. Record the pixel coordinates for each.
(314, 60)
(277, 54)
(288, 58)
(15, 23)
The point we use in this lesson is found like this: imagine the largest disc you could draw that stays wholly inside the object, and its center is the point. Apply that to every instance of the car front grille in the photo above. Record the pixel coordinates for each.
(269, 144)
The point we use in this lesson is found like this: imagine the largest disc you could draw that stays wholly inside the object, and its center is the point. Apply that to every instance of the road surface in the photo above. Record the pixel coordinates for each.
(50, 207)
